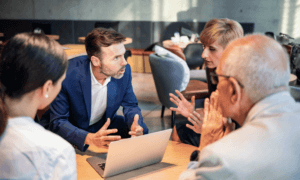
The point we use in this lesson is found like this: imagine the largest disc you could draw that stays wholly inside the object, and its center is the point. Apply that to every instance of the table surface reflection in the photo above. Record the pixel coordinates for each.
(175, 161)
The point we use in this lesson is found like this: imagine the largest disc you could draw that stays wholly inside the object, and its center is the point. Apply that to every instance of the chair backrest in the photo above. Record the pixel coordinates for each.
(193, 54)
(270, 34)
(295, 92)
(127, 54)
(168, 76)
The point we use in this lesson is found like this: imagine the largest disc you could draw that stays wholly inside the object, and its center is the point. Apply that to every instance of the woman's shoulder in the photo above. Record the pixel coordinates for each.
(29, 136)
(33, 151)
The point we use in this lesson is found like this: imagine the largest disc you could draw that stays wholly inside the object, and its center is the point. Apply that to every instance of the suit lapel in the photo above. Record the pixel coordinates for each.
(111, 96)
(86, 86)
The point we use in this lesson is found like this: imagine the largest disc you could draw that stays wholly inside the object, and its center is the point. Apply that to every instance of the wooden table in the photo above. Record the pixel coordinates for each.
(1, 35)
(138, 63)
(174, 162)
(176, 48)
(52, 36)
(127, 40)
(81, 39)
(169, 44)
(73, 50)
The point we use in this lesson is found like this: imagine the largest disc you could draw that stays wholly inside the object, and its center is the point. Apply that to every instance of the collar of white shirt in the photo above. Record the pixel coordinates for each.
(98, 98)
(265, 105)
(94, 80)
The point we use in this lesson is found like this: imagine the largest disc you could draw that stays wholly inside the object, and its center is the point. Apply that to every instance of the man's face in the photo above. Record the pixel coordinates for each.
(224, 95)
(112, 61)
(212, 54)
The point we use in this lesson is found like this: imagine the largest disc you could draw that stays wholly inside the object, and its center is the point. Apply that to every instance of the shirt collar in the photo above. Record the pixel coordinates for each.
(94, 80)
(21, 120)
(268, 102)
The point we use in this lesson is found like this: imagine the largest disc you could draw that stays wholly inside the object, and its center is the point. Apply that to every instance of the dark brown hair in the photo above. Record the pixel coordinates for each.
(27, 62)
(101, 37)
(3, 115)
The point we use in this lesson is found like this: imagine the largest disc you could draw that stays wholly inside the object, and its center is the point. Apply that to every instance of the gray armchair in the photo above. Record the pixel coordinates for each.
(168, 76)
(295, 92)
(193, 54)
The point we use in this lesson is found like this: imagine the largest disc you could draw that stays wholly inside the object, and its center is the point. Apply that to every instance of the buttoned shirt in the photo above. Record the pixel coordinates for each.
(28, 151)
(99, 98)
(267, 146)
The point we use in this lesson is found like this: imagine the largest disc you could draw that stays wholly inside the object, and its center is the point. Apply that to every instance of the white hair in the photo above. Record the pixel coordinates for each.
(260, 64)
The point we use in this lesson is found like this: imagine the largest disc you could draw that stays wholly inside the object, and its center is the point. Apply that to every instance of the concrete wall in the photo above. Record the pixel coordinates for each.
(268, 15)
(114, 10)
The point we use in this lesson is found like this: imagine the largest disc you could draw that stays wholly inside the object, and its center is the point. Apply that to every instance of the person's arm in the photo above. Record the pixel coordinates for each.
(63, 165)
(59, 121)
(81, 139)
(130, 106)
(209, 166)
(101, 138)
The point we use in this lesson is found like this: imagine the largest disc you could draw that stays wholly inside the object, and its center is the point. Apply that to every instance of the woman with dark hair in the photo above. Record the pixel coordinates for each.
(32, 68)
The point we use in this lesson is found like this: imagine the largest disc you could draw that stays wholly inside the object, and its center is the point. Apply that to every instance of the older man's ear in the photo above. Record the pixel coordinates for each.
(235, 91)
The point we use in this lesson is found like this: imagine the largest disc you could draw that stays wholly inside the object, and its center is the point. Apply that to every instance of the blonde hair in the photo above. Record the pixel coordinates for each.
(221, 30)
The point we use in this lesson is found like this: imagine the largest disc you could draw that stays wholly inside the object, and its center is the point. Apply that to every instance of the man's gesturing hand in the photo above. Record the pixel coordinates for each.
(215, 126)
(100, 138)
(184, 107)
(136, 129)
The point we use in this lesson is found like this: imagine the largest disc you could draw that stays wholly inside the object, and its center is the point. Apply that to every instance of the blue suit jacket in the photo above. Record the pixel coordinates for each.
(70, 112)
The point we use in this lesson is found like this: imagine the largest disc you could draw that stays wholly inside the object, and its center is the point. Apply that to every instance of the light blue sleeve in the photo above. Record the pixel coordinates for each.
(64, 166)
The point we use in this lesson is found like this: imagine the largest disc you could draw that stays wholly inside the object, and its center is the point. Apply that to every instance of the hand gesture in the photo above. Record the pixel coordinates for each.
(197, 120)
(101, 137)
(215, 126)
(136, 129)
(184, 107)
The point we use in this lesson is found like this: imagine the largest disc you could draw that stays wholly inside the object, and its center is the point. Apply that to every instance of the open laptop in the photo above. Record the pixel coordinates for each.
(132, 153)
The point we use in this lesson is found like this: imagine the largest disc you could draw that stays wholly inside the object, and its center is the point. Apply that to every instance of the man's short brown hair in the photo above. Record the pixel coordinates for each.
(221, 30)
(101, 37)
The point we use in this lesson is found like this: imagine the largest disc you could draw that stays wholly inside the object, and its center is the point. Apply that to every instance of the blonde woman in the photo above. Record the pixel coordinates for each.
(215, 36)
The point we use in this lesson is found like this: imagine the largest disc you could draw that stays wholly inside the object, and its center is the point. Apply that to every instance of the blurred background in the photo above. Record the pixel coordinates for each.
(146, 23)
(144, 20)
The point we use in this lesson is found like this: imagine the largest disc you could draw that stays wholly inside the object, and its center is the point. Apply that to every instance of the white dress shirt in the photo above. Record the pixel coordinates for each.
(28, 151)
(99, 98)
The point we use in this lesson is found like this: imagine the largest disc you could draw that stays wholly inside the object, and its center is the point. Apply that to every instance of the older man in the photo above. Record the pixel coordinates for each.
(253, 76)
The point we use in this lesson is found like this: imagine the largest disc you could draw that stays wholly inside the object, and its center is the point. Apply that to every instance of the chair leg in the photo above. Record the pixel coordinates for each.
(162, 111)
(173, 119)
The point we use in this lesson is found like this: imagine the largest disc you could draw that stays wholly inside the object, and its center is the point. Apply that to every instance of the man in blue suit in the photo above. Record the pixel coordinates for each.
(96, 85)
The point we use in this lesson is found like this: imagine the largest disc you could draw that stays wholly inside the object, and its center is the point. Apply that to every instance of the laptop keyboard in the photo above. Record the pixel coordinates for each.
(102, 166)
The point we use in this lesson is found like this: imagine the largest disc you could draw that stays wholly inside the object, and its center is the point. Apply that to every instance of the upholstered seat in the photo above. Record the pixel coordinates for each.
(168, 75)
